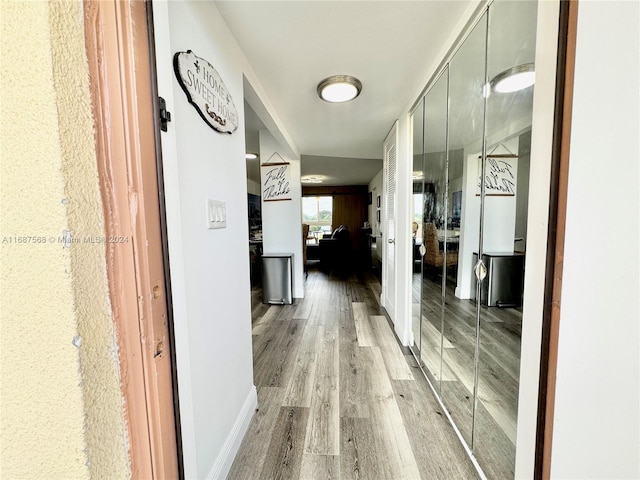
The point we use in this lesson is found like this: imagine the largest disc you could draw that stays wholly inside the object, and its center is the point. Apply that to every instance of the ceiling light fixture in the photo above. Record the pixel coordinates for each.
(250, 156)
(311, 179)
(339, 88)
(514, 79)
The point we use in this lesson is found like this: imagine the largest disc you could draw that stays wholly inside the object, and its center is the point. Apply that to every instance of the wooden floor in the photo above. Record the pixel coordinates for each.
(337, 396)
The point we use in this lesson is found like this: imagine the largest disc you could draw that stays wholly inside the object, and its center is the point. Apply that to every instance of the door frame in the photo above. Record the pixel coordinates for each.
(124, 103)
(559, 181)
(389, 299)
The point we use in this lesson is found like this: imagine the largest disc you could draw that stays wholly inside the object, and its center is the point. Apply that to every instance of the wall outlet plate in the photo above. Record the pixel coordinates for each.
(216, 214)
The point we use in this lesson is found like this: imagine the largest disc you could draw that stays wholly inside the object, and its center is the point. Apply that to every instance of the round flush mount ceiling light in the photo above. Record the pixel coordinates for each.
(514, 79)
(250, 156)
(309, 179)
(339, 88)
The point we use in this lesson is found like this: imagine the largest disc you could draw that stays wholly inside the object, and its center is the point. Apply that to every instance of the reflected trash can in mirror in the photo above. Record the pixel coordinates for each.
(277, 273)
(504, 284)
(505, 279)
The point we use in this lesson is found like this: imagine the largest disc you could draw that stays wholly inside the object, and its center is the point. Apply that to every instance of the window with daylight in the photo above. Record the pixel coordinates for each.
(317, 212)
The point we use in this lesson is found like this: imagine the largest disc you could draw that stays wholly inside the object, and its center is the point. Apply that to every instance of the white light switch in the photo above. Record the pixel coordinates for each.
(216, 214)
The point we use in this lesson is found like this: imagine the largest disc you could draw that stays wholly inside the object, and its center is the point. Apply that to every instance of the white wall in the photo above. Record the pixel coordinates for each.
(596, 432)
(500, 214)
(403, 238)
(537, 228)
(209, 268)
(282, 220)
(469, 227)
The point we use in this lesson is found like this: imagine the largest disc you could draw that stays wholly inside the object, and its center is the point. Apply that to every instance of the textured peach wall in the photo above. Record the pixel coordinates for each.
(61, 408)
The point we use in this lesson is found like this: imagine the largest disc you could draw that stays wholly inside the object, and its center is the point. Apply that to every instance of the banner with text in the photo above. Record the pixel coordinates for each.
(275, 181)
(500, 175)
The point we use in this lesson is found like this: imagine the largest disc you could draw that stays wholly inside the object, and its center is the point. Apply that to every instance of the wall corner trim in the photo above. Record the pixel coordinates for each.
(227, 454)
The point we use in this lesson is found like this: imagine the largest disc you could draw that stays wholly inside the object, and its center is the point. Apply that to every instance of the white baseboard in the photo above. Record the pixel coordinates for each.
(227, 454)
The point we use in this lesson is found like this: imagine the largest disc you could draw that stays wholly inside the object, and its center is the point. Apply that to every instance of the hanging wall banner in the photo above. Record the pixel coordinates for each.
(275, 177)
(206, 91)
(500, 175)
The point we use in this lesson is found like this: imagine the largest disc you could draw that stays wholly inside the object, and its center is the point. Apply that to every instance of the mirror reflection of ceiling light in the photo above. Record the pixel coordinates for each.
(514, 79)
(311, 179)
(250, 156)
(339, 88)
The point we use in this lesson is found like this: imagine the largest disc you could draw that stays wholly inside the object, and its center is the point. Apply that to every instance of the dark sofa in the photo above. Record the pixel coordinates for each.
(335, 252)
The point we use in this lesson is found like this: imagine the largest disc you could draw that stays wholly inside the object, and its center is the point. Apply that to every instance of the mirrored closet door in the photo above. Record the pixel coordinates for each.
(470, 246)
(433, 209)
(417, 125)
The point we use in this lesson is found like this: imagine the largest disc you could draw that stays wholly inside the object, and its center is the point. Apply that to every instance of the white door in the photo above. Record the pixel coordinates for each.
(389, 222)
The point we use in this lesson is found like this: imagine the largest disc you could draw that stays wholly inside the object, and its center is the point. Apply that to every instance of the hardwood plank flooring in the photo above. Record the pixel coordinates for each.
(337, 398)
(254, 453)
(323, 430)
(390, 437)
(354, 386)
(275, 353)
(304, 308)
(299, 392)
(261, 323)
(284, 455)
(358, 456)
(320, 467)
(363, 326)
(393, 358)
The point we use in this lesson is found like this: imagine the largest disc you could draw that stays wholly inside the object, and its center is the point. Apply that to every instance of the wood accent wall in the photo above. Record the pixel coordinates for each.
(349, 206)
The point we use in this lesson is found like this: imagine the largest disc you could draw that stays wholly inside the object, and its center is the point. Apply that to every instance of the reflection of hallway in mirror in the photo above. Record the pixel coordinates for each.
(498, 370)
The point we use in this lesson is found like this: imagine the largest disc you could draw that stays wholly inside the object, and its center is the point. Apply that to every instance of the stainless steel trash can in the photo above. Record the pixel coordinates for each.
(277, 287)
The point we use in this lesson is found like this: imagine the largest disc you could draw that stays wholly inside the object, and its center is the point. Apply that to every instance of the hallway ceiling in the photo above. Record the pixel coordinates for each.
(391, 46)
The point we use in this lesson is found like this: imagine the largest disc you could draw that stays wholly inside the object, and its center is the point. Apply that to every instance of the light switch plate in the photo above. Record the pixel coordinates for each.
(216, 214)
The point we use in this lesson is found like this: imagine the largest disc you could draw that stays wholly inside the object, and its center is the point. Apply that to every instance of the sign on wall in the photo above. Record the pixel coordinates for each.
(206, 91)
(275, 177)
(500, 175)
